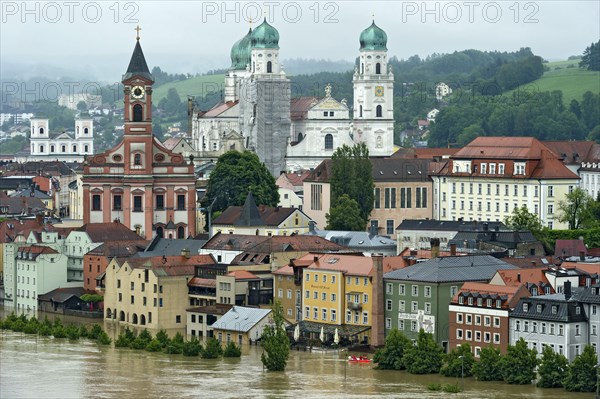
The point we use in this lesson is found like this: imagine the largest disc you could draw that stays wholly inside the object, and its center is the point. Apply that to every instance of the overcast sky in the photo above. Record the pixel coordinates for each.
(192, 36)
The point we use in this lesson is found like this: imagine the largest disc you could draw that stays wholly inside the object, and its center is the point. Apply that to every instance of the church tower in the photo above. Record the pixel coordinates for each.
(373, 83)
(146, 186)
(240, 67)
(265, 100)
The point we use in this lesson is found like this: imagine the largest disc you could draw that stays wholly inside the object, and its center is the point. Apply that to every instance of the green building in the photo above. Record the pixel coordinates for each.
(418, 296)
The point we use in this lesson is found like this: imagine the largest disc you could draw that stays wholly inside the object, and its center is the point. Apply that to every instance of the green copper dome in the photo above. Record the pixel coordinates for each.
(373, 38)
(265, 36)
(240, 52)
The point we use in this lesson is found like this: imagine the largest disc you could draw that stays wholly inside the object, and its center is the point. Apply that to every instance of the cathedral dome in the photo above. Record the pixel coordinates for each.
(240, 52)
(373, 38)
(265, 36)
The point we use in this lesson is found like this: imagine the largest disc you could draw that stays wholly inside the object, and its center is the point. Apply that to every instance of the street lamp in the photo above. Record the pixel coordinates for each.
(462, 373)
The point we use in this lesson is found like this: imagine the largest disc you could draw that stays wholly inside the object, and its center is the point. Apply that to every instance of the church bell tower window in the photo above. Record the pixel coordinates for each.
(137, 113)
(378, 69)
(137, 159)
(378, 112)
(269, 67)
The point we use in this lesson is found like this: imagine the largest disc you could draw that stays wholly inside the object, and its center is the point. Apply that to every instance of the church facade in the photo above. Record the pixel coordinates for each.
(290, 134)
(146, 186)
(65, 146)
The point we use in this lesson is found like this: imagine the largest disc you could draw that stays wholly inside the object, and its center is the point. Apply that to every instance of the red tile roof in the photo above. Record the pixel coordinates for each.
(351, 265)
(267, 245)
(517, 277)
(270, 216)
(10, 228)
(243, 275)
(37, 249)
(502, 148)
(566, 248)
(218, 109)
(112, 231)
(299, 107)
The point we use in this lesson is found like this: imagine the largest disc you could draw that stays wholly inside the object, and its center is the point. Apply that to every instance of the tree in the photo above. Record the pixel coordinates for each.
(351, 174)
(425, 357)
(345, 215)
(390, 357)
(519, 363)
(522, 219)
(591, 57)
(488, 368)
(577, 210)
(469, 134)
(275, 341)
(552, 370)
(582, 373)
(212, 350)
(459, 362)
(236, 174)
(82, 106)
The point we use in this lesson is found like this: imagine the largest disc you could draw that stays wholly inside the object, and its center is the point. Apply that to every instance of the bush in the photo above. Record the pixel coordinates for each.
(390, 357)
(425, 357)
(552, 370)
(459, 362)
(232, 350)
(154, 346)
(488, 368)
(139, 343)
(32, 326)
(58, 331)
(104, 339)
(582, 375)
(451, 388)
(434, 387)
(72, 332)
(162, 337)
(45, 330)
(213, 349)
(95, 331)
(83, 331)
(518, 366)
(192, 347)
(173, 349)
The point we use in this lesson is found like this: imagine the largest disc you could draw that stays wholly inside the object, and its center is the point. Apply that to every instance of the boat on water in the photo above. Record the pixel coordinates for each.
(358, 359)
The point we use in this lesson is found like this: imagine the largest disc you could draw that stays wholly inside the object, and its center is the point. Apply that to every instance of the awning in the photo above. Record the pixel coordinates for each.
(344, 330)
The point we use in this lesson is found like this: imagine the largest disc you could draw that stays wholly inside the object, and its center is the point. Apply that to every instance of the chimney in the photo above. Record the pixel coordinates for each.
(316, 258)
(185, 252)
(582, 256)
(567, 290)
(311, 226)
(39, 218)
(435, 247)
(377, 336)
(452, 249)
(373, 228)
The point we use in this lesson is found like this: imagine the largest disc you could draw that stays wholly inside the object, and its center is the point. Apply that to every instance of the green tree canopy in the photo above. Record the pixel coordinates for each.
(552, 370)
(425, 357)
(488, 368)
(519, 363)
(351, 174)
(275, 341)
(522, 219)
(390, 357)
(459, 362)
(345, 215)
(236, 174)
(582, 374)
(578, 210)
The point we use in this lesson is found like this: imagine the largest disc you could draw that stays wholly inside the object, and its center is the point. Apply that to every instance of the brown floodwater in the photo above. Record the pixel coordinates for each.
(42, 367)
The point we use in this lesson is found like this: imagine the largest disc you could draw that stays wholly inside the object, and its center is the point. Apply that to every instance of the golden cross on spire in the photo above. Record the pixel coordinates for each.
(138, 29)
(250, 21)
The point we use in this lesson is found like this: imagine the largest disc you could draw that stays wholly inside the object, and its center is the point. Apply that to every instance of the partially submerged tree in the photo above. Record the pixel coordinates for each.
(275, 341)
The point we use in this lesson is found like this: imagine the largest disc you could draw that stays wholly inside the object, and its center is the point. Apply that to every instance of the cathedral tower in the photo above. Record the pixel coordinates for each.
(373, 83)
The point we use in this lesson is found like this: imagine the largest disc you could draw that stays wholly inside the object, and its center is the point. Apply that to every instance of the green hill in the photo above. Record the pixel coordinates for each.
(565, 76)
(198, 87)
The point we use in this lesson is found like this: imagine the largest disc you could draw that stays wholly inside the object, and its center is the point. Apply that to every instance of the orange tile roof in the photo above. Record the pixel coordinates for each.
(286, 270)
(589, 268)
(503, 148)
(531, 275)
(348, 264)
(218, 109)
(243, 275)
(486, 288)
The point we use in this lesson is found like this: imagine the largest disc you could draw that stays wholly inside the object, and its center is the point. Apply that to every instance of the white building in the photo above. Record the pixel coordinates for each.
(65, 146)
(442, 90)
(16, 117)
(71, 100)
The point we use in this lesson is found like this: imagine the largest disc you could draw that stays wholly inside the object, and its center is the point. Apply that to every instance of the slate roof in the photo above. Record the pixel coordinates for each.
(506, 239)
(565, 309)
(321, 173)
(119, 249)
(170, 247)
(137, 64)
(61, 295)
(27, 194)
(451, 269)
(351, 265)
(21, 205)
(448, 225)
(111, 231)
(399, 169)
(299, 107)
(572, 152)
(267, 245)
(589, 294)
(355, 239)
(241, 319)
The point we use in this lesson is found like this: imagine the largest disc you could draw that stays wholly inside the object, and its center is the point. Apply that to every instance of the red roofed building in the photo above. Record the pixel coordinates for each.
(491, 176)
(478, 315)
(534, 279)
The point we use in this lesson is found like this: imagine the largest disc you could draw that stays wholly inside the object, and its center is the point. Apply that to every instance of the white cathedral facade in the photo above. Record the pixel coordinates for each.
(64, 146)
(290, 134)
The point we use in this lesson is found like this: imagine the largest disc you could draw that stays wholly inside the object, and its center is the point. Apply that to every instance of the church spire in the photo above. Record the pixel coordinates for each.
(137, 65)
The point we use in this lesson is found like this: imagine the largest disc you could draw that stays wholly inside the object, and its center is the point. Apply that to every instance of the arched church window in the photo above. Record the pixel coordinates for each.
(360, 111)
(74, 148)
(137, 159)
(300, 137)
(329, 142)
(269, 67)
(378, 111)
(77, 129)
(378, 69)
(63, 148)
(137, 113)
(52, 148)
(362, 68)
(86, 130)
(180, 232)
(85, 148)
(41, 148)
(41, 130)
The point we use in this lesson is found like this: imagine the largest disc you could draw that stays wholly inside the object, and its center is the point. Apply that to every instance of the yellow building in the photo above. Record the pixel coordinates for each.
(151, 292)
(336, 292)
(491, 176)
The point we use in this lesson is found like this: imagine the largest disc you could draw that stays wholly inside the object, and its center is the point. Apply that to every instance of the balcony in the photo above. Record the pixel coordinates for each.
(354, 305)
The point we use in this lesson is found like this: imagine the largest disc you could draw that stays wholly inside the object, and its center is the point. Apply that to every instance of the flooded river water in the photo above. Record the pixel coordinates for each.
(42, 367)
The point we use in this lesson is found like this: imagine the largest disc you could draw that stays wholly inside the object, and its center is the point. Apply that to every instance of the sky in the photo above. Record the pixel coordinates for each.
(97, 38)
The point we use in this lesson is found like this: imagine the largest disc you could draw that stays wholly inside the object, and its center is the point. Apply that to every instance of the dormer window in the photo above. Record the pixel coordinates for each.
(461, 300)
(539, 308)
(483, 168)
(501, 168)
(577, 310)
(470, 300)
(519, 168)
(554, 309)
(525, 307)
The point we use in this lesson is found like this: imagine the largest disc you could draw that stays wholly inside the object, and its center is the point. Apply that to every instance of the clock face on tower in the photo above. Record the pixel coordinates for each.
(378, 91)
(138, 92)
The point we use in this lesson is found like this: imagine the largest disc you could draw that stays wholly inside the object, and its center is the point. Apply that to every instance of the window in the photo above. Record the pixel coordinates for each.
(469, 319)
(550, 209)
(493, 168)
(316, 193)
(400, 324)
(307, 311)
(280, 293)
(137, 203)
(329, 142)
(378, 111)
(365, 298)
(497, 322)
(415, 290)
(388, 323)
(389, 288)
(483, 168)
(414, 307)
(577, 329)
(496, 338)
(324, 296)
(324, 314)
(501, 168)
(459, 334)
(560, 329)
(427, 308)
(536, 191)
(427, 291)
(377, 198)
(316, 295)
(137, 159)
(324, 278)
(550, 191)
(401, 306)
(487, 337)
(388, 304)
(307, 294)
(117, 203)
(453, 290)
(390, 197)
(378, 68)
(181, 202)
(401, 289)
(551, 328)
(316, 313)
(477, 320)
(413, 325)
(160, 201)
(469, 335)
(459, 318)
(96, 203)
(389, 227)
(269, 67)
(406, 197)
(137, 113)
(333, 315)
(365, 317)
(525, 307)
(517, 325)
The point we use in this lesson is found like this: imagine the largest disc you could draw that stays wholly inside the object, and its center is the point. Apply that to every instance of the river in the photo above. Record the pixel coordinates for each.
(42, 367)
